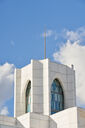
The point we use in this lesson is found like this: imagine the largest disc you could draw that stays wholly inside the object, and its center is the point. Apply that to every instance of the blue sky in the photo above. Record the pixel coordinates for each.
(22, 23)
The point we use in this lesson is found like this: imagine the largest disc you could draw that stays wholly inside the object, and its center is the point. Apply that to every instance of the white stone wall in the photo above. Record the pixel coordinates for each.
(24, 120)
(65, 119)
(26, 76)
(39, 121)
(66, 76)
(41, 74)
(37, 87)
(70, 118)
(33, 120)
(22, 78)
(17, 92)
(9, 122)
(46, 91)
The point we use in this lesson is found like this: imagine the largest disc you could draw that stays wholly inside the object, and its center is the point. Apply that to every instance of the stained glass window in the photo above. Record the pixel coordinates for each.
(28, 98)
(57, 97)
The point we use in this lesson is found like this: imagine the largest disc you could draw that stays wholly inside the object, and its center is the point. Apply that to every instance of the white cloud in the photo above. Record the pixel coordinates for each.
(78, 34)
(51, 33)
(48, 33)
(4, 111)
(74, 53)
(6, 82)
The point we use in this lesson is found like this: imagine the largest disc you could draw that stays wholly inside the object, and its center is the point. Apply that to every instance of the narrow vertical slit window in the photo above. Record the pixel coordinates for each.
(28, 97)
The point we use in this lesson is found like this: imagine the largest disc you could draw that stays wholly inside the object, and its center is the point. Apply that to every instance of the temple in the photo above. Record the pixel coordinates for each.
(45, 97)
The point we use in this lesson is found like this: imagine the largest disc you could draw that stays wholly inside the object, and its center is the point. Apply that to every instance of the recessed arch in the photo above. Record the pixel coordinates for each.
(28, 97)
(57, 96)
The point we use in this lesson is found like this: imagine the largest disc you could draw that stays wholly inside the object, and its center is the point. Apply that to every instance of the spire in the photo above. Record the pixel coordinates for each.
(45, 44)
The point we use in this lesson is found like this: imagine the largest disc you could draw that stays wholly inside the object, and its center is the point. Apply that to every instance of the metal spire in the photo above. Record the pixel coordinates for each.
(45, 44)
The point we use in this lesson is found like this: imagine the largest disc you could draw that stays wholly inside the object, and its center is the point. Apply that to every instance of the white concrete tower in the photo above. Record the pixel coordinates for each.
(44, 87)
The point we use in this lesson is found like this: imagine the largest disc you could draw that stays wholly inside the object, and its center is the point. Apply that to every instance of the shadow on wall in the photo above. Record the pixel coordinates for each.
(53, 124)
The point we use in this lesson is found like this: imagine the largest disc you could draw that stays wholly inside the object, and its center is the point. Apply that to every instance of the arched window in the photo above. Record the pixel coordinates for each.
(57, 97)
(28, 97)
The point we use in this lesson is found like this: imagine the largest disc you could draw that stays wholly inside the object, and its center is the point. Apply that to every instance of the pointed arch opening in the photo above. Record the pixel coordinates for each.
(28, 97)
(57, 97)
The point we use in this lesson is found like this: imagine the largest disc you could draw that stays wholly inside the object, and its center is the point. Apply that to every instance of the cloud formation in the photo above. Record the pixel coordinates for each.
(73, 52)
(4, 111)
(6, 82)
(76, 35)
(50, 33)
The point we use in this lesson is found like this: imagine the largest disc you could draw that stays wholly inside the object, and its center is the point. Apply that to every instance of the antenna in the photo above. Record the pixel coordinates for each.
(45, 44)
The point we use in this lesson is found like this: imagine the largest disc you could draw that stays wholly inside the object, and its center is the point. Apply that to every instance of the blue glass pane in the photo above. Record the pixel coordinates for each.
(28, 108)
(61, 98)
(53, 86)
(57, 97)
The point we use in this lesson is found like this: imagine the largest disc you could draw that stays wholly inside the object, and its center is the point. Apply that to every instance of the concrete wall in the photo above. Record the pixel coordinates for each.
(41, 74)
(66, 76)
(37, 87)
(65, 119)
(9, 122)
(33, 120)
(70, 118)
(21, 80)
(24, 120)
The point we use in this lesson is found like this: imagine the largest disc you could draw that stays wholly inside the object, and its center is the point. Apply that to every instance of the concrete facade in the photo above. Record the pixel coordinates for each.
(42, 73)
(69, 118)
(9, 122)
